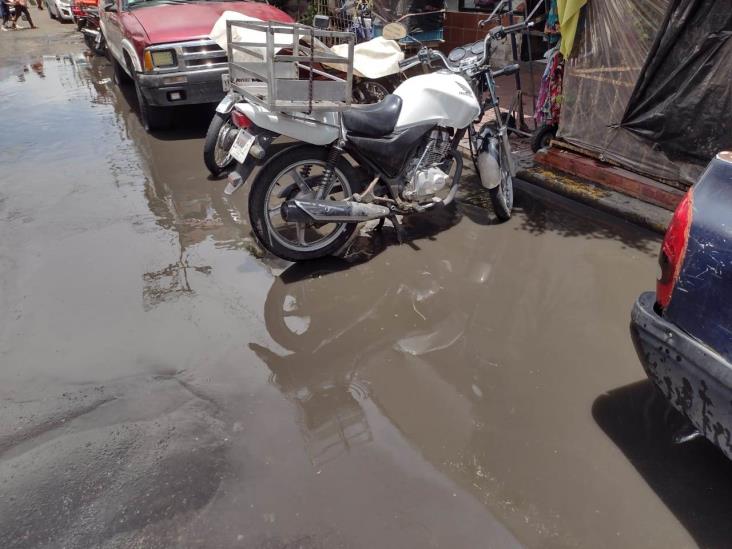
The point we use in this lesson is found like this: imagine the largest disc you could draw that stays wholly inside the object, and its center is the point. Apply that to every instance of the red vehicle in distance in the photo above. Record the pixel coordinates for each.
(163, 48)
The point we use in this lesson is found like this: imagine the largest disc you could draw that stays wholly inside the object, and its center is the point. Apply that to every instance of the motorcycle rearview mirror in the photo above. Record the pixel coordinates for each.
(394, 31)
(321, 22)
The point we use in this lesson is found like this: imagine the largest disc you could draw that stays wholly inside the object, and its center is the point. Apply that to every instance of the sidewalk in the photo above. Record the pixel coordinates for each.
(650, 216)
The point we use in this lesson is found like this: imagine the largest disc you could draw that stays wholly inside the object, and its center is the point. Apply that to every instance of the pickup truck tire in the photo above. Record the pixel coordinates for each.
(120, 76)
(152, 118)
(213, 156)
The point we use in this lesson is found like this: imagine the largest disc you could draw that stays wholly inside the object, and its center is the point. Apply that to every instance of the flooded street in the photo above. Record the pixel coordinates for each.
(162, 384)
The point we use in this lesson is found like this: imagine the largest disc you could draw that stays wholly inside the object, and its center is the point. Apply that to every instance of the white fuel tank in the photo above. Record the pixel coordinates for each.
(443, 98)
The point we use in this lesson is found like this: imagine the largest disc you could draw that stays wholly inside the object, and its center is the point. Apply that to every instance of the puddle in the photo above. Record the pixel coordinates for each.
(431, 394)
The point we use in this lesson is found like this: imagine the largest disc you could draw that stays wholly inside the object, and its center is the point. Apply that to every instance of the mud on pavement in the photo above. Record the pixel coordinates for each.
(163, 384)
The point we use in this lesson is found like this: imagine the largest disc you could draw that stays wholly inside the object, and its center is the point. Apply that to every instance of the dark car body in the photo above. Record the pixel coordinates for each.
(686, 346)
(132, 27)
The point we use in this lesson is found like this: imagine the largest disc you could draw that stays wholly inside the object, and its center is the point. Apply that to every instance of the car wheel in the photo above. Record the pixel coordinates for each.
(120, 76)
(51, 14)
(152, 118)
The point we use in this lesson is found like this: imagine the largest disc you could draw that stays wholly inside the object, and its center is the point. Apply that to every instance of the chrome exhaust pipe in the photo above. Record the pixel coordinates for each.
(90, 32)
(329, 211)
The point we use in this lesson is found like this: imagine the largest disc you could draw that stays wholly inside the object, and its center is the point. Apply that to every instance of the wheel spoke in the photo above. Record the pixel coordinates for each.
(300, 230)
(300, 182)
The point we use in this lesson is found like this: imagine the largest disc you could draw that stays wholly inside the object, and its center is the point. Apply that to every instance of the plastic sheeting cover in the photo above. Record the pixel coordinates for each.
(613, 41)
(683, 99)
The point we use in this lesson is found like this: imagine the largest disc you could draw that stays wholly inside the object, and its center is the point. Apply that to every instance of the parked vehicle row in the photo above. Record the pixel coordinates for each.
(406, 144)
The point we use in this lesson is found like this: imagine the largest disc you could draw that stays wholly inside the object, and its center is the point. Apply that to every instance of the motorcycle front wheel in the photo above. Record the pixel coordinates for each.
(502, 195)
(298, 173)
(215, 152)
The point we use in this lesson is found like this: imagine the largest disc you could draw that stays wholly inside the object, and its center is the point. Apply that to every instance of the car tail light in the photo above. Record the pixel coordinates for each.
(673, 249)
(240, 120)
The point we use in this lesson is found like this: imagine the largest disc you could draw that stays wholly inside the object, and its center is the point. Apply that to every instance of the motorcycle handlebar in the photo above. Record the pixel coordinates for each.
(426, 55)
(501, 31)
(408, 63)
(506, 71)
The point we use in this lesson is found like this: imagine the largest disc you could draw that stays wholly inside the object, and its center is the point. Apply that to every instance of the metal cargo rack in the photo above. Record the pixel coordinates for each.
(295, 80)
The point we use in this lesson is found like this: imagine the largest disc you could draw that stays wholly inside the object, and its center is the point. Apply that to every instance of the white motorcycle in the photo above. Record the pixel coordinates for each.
(373, 162)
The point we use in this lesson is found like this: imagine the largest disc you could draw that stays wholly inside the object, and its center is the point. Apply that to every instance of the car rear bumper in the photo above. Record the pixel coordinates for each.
(695, 380)
(203, 86)
(64, 13)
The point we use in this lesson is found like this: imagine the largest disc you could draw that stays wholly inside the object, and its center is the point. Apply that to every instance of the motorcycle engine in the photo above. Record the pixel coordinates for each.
(427, 175)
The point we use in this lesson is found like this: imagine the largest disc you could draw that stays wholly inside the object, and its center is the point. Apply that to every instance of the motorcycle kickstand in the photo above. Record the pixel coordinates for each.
(398, 228)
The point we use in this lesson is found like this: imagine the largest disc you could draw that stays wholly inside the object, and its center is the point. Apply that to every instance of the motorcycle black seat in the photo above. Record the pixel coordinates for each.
(374, 120)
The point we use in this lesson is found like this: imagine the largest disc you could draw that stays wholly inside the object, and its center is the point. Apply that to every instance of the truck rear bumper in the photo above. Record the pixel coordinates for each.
(695, 380)
(182, 88)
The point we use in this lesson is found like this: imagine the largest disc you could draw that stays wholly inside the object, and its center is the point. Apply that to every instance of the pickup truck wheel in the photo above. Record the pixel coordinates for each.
(152, 118)
(120, 76)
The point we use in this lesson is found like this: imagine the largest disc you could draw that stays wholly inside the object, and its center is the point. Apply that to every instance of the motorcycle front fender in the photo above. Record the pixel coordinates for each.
(226, 105)
(319, 128)
(489, 163)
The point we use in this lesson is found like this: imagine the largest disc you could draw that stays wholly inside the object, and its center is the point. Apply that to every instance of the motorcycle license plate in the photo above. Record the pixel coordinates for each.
(240, 149)
(225, 82)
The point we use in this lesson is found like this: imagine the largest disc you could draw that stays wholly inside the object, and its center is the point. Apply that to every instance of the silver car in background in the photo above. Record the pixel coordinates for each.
(59, 9)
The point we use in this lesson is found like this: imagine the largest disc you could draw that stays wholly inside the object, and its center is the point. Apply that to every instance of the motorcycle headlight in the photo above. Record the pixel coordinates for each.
(159, 59)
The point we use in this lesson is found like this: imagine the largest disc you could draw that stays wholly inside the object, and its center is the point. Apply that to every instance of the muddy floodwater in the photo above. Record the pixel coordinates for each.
(164, 385)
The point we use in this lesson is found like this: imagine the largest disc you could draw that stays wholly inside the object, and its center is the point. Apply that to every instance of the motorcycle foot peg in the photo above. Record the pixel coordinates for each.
(234, 181)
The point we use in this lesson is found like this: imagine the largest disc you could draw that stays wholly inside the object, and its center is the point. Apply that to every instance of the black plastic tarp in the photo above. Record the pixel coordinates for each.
(682, 101)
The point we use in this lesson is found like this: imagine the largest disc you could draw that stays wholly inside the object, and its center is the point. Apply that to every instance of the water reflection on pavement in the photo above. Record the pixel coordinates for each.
(165, 384)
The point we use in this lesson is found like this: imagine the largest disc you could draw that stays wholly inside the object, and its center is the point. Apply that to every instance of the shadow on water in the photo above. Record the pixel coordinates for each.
(694, 479)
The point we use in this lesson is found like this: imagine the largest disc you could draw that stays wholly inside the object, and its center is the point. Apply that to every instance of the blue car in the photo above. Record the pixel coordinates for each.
(683, 332)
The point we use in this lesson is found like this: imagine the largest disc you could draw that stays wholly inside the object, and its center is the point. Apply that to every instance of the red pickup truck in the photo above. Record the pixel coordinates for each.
(164, 48)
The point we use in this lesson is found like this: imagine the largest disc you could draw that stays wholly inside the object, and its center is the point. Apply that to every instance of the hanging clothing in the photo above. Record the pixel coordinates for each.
(549, 100)
(551, 28)
(569, 12)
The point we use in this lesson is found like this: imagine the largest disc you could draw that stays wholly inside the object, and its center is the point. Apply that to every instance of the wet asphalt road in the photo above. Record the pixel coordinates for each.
(164, 385)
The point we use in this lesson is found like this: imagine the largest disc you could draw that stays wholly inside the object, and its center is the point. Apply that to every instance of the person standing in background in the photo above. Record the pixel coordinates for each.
(5, 14)
(21, 7)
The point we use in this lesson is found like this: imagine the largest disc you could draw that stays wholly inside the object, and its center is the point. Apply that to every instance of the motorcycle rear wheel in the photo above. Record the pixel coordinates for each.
(299, 241)
(91, 43)
(215, 156)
